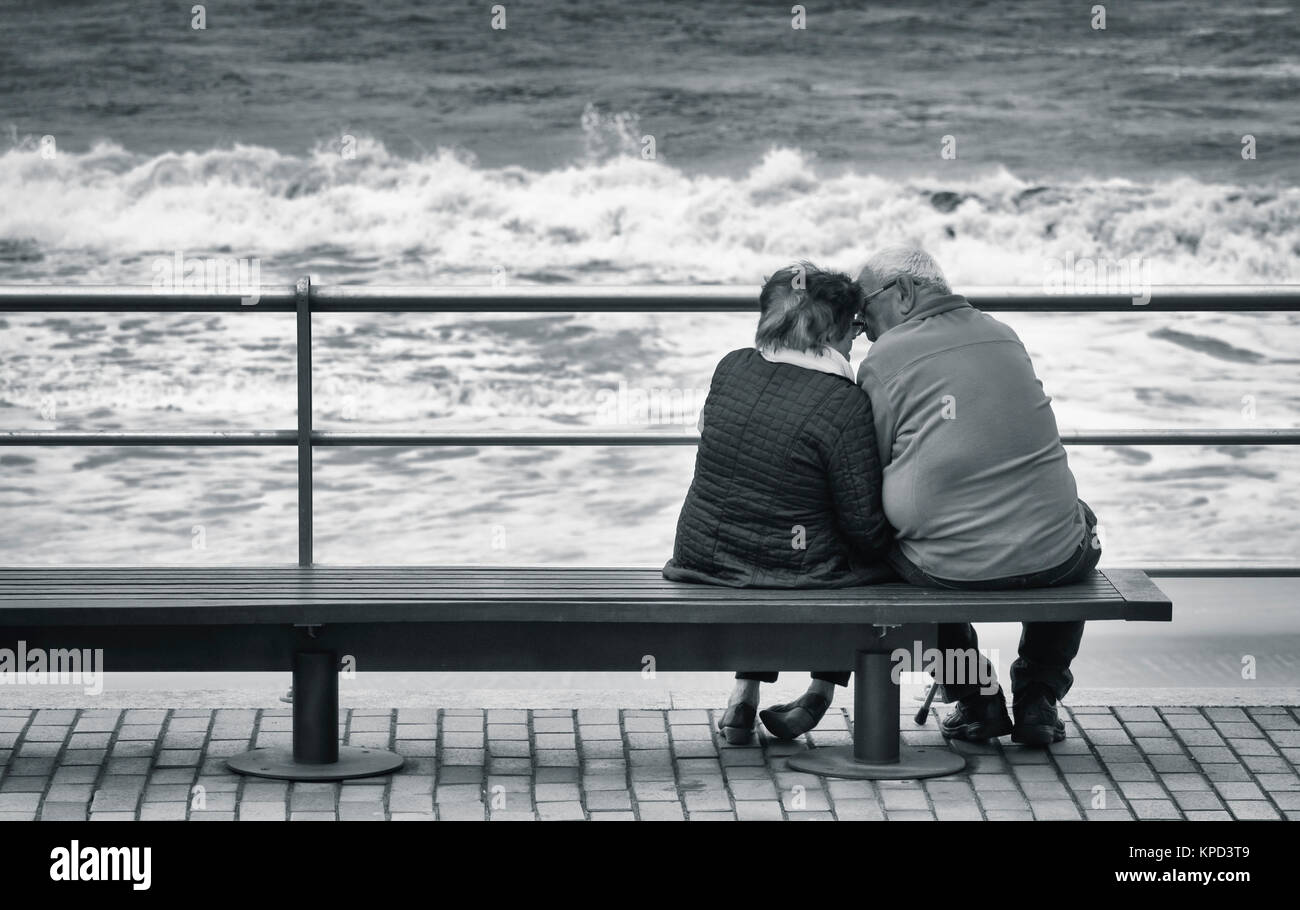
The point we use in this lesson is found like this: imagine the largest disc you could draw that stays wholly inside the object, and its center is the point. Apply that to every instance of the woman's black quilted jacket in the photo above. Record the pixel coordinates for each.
(786, 492)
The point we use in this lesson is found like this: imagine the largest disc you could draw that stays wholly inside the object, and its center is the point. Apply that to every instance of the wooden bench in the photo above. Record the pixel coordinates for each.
(518, 619)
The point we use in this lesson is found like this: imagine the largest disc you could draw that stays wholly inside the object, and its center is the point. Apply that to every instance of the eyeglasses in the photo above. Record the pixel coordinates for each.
(860, 324)
(880, 290)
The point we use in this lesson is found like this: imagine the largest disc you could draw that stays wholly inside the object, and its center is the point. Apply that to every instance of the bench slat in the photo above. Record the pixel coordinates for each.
(332, 594)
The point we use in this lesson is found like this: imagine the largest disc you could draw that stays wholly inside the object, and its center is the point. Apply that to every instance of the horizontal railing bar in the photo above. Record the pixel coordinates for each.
(141, 299)
(613, 299)
(1226, 569)
(1264, 437)
(1212, 570)
(58, 438)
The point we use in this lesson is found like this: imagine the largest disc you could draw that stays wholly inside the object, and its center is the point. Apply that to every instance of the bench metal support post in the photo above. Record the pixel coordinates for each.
(876, 753)
(316, 754)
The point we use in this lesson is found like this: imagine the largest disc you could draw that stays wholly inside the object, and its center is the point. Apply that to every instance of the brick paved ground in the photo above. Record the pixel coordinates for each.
(1121, 763)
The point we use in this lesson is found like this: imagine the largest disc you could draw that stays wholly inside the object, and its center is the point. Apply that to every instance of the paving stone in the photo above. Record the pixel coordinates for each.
(552, 724)
(509, 749)
(1121, 771)
(985, 782)
(1184, 782)
(1153, 746)
(643, 723)
(994, 800)
(470, 757)
(555, 792)
(707, 801)
(365, 812)
(603, 800)
(896, 800)
(560, 811)
(1108, 815)
(759, 810)
(1172, 764)
(1044, 790)
(694, 749)
(1278, 782)
(752, 789)
(1142, 790)
(601, 748)
(598, 732)
(1238, 790)
(1249, 809)
(656, 791)
(416, 732)
(1054, 810)
(1129, 714)
(604, 781)
(52, 811)
(420, 803)
(1196, 800)
(557, 758)
(1226, 772)
(163, 812)
(647, 740)
(1154, 809)
(660, 811)
(468, 740)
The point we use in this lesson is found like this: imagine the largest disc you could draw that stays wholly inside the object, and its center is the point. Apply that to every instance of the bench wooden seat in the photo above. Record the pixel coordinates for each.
(234, 618)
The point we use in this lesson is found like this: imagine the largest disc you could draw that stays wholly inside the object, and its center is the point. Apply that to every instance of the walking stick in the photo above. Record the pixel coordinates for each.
(922, 714)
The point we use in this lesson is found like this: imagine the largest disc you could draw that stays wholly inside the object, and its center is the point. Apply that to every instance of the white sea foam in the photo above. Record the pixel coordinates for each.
(611, 218)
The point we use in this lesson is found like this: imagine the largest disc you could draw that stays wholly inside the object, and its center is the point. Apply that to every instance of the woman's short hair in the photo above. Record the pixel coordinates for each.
(805, 308)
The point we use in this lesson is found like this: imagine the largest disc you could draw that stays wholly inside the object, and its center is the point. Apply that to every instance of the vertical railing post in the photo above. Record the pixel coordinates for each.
(302, 291)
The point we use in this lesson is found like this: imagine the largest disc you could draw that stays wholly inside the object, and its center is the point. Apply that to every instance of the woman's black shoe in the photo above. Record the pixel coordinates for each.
(790, 721)
(737, 725)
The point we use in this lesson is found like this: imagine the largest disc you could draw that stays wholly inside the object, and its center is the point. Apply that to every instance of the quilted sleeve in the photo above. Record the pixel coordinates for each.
(854, 472)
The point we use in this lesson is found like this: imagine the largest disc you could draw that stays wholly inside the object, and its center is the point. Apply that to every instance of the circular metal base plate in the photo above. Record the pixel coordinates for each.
(914, 762)
(278, 764)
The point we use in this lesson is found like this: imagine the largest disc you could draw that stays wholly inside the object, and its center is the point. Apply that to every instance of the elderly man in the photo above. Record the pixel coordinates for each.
(976, 483)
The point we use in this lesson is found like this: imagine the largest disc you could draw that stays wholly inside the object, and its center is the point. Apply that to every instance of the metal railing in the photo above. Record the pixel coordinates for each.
(304, 299)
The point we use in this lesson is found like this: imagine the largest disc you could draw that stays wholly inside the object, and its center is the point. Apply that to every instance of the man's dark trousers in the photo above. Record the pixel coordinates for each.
(1046, 648)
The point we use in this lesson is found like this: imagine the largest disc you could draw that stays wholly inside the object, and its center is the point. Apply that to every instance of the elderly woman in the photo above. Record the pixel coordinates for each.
(787, 483)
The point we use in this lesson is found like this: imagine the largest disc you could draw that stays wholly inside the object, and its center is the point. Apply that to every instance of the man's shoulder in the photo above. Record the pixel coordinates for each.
(910, 342)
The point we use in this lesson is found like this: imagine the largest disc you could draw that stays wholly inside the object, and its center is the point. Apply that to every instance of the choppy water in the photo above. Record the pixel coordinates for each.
(516, 156)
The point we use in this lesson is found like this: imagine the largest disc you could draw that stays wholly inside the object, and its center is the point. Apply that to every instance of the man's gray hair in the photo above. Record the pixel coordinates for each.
(911, 261)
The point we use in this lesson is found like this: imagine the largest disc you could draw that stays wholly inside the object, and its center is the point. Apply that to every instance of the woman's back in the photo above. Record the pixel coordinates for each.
(787, 482)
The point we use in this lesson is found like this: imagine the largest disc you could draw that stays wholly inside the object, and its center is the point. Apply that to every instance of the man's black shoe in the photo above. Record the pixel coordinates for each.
(978, 718)
(1037, 723)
